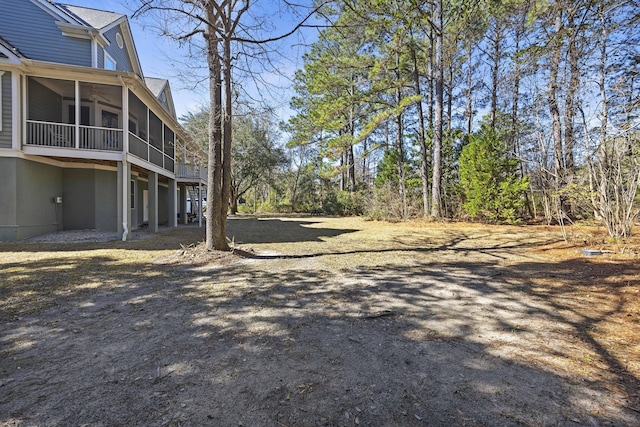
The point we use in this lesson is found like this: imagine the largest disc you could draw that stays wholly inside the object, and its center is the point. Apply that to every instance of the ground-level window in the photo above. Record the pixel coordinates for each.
(133, 194)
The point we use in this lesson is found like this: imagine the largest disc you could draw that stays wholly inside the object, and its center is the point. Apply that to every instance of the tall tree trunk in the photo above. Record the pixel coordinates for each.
(430, 80)
(554, 110)
(215, 237)
(227, 138)
(604, 161)
(343, 170)
(469, 92)
(352, 169)
(450, 100)
(496, 55)
(422, 135)
(350, 156)
(514, 140)
(365, 169)
(400, 146)
(570, 110)
(436, 190)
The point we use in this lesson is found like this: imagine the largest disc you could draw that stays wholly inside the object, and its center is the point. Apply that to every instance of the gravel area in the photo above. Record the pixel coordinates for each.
(80, 236)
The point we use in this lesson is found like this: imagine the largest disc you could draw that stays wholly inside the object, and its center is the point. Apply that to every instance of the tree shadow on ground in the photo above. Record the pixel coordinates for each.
(250, 230)
(241, 230)
(439, 342)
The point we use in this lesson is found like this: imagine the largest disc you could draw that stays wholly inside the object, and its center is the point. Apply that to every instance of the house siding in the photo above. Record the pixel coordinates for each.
(5, 108)
(121, 56)
(100, 63)
(44, 104)
(34, 32)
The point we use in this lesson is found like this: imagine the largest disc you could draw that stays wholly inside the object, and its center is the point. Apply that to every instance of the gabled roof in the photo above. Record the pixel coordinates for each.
(155, 85)
(5, 44)
(159, 87)
(98, 19)
(7, 51)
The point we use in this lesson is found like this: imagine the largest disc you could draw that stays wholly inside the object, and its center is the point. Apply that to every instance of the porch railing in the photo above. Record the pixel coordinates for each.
(96, 138)
(51, 134)
(62, 135)
(191, 171)
(140, 148)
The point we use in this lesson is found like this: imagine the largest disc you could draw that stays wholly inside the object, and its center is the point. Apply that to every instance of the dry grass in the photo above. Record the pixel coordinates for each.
(551, 308)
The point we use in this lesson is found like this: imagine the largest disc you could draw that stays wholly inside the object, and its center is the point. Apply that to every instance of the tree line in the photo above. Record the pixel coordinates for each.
(494, 110)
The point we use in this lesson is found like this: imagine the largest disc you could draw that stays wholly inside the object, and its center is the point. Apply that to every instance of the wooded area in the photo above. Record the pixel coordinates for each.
(497, 111)
(491, 110)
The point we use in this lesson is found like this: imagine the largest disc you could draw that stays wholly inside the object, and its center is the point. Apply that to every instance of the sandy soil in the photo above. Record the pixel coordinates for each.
(321, 322)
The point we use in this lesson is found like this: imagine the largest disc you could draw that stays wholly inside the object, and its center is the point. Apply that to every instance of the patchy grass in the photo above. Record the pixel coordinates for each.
(324, 321)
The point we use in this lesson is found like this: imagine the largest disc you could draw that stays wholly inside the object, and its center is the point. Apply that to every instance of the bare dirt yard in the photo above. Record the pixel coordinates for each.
(323, 322)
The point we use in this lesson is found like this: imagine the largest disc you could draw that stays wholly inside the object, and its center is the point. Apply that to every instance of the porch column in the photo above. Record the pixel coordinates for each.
(172, 202)
(183, 204)
(77, 107)
(16, 104)
(153, 202)
(124, 197)
(125, 118)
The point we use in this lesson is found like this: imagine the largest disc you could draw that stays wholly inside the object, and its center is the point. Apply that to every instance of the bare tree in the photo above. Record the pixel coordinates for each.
(219, 22)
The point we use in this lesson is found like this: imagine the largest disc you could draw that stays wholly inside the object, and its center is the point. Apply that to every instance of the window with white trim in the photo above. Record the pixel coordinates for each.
(109, 62)
(133, 194)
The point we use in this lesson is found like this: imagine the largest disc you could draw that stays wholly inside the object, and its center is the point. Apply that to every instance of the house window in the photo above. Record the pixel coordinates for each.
(109, 62)
(133, 194)
(109, 119)
(85, 115)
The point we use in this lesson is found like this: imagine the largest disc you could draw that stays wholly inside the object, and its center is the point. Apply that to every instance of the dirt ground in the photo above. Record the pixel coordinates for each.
(323, 322)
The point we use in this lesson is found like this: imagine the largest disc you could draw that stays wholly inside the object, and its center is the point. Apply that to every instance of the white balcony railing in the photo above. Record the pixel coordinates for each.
(51, 134)
(62, 135)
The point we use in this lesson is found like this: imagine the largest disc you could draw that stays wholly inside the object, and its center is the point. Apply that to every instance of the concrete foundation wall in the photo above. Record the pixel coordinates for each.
(106, 190)
(79, 199)
(28, 192)
(37, 186)
(163, 200)
(8, 208)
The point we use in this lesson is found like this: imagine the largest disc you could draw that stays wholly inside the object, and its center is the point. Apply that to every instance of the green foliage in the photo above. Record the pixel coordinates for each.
(343, 203)
(387, 168)
(488, 182)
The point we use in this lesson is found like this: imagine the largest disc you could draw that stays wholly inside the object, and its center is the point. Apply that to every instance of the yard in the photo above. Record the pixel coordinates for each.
(322, 322)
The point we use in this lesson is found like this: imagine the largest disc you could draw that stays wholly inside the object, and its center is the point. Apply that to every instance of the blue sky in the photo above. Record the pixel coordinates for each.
(156, 53)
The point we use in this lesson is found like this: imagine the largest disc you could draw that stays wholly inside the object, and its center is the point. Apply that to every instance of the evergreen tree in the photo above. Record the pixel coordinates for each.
(488, 178)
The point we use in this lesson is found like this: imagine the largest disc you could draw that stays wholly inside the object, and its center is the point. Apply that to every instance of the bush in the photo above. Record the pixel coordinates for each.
(343, 203)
